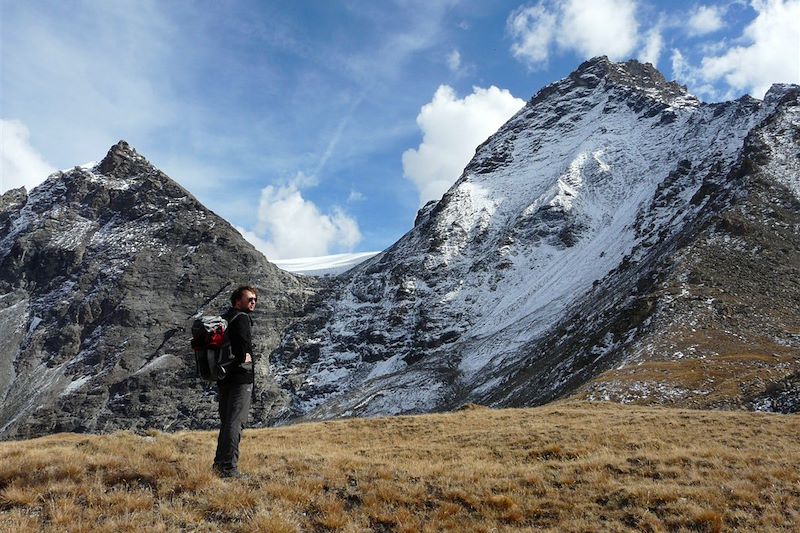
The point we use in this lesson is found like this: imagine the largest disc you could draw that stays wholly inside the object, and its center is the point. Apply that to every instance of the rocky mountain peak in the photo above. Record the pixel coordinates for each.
(123, 160)
(633, 77)
(12, 198)
(779, 93)
(632, 73)
(101, 268)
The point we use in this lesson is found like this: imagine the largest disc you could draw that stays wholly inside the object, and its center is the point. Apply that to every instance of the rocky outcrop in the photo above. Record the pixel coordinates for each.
(101, 269)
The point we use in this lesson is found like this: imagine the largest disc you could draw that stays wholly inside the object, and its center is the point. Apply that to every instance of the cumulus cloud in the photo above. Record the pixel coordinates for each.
(452, 128)
(20, 164)
(705, 20)
(771, 55)
(599, 27)
(291, 226)
(586, 27)
(533, 28)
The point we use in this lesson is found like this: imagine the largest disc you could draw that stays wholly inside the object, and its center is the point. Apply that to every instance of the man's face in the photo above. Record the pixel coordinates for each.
(247, 302)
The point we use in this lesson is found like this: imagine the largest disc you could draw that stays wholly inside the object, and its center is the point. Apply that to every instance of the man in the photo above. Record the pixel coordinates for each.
(236, 389)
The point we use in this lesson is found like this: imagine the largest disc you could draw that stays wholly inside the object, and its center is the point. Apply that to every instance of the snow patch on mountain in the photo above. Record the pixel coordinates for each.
(326, 265)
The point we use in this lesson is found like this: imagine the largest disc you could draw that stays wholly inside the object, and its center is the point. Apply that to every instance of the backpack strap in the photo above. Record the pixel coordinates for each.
(237, 315)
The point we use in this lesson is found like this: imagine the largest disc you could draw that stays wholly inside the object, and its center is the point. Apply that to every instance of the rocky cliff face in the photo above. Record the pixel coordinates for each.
(617, 238)
(101, 269)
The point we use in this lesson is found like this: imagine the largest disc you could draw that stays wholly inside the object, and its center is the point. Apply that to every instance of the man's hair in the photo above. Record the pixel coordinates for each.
(239, 291)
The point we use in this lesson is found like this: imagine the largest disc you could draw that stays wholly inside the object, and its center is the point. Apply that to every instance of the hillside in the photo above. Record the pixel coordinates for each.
(567, 466)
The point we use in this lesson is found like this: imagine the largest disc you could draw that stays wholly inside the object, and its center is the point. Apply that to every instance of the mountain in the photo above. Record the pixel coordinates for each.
(101, 269)
(616, 239)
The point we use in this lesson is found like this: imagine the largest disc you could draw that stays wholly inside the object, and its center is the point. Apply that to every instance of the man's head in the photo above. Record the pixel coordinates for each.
(244, 299)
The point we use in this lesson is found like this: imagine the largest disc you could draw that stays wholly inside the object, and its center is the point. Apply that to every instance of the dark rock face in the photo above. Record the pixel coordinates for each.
(100, 272)
(558, 263)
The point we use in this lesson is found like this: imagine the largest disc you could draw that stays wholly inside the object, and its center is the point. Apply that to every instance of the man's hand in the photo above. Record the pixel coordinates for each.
(248, 358)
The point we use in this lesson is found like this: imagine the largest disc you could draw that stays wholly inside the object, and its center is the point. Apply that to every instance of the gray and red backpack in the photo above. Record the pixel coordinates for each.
(212, 347)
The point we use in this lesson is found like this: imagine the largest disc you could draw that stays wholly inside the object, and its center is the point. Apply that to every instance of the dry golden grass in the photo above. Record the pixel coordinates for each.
(568, 466)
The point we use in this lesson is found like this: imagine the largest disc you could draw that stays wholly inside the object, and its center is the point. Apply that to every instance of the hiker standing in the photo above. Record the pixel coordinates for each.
(236, 389)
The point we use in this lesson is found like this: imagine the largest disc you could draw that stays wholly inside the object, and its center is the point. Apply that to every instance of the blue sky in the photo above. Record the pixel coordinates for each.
(319, 127)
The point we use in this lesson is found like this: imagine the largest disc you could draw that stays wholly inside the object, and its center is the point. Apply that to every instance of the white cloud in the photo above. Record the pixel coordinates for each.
(454, 60)
(532, 28)
(291, 226)
(20, 164)
(652, 47)
(685, 73)
(356, 196)
(587, 27)
(705, 20)
(452, 128)
(772, 55)
(599, 27)
(679, 66)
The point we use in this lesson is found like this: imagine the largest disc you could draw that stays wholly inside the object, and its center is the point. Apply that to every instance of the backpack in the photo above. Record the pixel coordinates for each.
(212, 347)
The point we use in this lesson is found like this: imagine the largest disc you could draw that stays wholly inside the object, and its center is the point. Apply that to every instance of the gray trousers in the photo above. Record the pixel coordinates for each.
(234, 405)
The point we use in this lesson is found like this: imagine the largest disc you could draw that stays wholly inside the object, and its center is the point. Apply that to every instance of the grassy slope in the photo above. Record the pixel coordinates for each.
(568, 466)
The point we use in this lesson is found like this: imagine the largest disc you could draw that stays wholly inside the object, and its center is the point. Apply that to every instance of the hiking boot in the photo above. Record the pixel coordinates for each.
(231, 474)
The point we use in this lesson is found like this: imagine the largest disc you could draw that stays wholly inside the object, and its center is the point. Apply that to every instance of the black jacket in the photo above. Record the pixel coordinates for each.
(240, 335)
